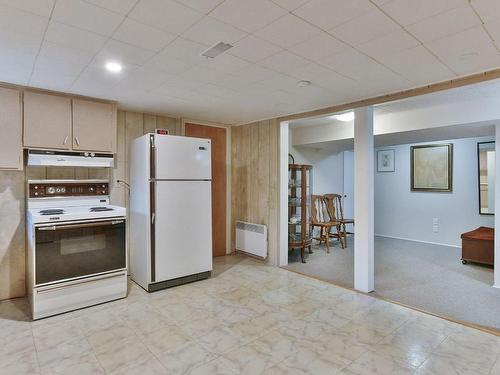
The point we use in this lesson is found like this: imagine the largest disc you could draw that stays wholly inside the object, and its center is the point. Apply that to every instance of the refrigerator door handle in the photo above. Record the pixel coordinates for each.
(153, 218)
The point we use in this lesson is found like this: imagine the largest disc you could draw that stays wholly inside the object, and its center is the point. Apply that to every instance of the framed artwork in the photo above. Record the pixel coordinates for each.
(432, 167)
(385, 160)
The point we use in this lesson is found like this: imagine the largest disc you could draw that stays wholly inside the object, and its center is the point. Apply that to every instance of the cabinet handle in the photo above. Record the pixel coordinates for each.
(65, 140)
(77, 141)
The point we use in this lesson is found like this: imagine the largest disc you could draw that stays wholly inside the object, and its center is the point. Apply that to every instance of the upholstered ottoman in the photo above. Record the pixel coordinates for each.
(477, 246)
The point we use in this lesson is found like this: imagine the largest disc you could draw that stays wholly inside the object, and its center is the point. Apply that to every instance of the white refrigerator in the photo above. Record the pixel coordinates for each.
(170, 210)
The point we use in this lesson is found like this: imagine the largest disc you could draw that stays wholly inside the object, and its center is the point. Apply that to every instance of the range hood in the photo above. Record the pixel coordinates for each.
(69, 159)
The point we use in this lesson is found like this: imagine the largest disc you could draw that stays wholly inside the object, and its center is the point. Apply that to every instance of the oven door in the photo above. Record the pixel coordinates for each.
(72, 250)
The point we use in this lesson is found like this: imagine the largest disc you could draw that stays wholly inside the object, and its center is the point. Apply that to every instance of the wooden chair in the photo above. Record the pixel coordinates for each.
(321, 218)
(334, 204)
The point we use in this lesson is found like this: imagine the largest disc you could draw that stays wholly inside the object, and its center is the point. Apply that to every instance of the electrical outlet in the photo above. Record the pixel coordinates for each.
(435, 221)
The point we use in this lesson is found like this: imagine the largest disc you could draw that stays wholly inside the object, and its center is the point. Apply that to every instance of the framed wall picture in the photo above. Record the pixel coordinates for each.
(432, 167)
(385, 160)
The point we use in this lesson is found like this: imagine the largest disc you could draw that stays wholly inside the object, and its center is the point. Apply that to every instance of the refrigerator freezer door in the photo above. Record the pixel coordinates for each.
(182, 158)
(183, 229)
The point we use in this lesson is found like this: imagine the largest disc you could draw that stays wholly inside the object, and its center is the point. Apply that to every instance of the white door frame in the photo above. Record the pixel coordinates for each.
(283, 197)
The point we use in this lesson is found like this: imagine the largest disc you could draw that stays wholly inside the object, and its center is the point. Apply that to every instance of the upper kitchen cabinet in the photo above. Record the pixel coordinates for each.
(11, 151)
(94, 126)
(47, 121)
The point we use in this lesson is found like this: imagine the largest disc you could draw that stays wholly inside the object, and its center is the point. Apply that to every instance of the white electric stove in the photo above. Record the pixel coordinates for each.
(76, 246)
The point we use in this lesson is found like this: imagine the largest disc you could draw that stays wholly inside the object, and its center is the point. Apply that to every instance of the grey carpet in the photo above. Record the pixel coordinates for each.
(428, 277)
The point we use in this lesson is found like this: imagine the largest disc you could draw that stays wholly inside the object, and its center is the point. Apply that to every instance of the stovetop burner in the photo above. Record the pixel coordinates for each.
(100, 209)
(54, 211)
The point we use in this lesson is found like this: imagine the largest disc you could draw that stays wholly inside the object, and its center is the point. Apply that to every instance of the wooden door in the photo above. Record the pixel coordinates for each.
(11, 149)
(94, 126)
(47, 121)
(218, 137)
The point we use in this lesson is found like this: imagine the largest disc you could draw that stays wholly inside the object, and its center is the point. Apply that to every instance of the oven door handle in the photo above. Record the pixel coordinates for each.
(83, 225)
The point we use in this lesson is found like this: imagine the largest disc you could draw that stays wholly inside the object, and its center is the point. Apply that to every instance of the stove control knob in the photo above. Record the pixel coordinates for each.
(91, 189)
(63, 190)
(36, 193)
(51, 190)
(36, 187)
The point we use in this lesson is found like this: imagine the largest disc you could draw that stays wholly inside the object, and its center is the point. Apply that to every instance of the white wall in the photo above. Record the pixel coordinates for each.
(328, 168)
(402, 213)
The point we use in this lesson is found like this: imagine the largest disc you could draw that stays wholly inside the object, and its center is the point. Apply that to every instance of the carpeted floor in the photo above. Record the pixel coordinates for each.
(429, 277)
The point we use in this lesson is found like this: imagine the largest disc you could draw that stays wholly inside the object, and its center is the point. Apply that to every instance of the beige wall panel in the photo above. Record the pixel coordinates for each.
(11, 151)
(149, 123)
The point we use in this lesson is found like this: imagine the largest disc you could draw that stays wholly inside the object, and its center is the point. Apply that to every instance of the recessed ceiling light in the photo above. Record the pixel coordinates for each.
(114, 67)
(303, 83)
(344, 117)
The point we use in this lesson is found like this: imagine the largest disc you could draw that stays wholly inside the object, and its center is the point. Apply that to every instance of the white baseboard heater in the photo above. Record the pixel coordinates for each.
(251, 239)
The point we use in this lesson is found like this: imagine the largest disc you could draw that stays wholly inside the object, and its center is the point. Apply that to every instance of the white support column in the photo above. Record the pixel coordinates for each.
(363, 200)
(497, 209)
(283, 222)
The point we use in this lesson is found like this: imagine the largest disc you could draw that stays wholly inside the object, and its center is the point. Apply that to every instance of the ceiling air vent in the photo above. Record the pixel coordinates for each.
(216, 50)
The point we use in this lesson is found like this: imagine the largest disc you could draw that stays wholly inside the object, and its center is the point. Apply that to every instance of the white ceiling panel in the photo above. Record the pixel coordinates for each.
(284, 62)
(328, 14)
(408, 12)
(428, 66)
(319, 46)
(444, 24)
(39, 7)
(13, 20)
(118, 6)
(364, 28)
(287, 31)
(73, 37)
(204, 6)
(144, 36)
(123, 53)
(487, 9)
(253, 49)
(248, 15)
(209, 31)
(290, 4)
(86, 16)
(165, 14)
(388, 45)
(349, 50)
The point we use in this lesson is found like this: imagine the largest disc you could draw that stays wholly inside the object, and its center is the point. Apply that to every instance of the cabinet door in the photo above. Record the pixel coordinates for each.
(10, 129)
(47, 121)
(94, 126)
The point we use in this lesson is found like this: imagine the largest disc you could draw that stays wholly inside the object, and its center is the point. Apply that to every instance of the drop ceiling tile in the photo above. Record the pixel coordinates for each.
(319, 47)
(248, 15)
(12, 72)
(364, 28)
(39, 7)
(86, 16)
(443, 24)
(165, 14)
(50, 80)
(168, 64)
(118, 6)
(123, 53)
(323, 77)
(494, 31)
(203, 75)
(408, 12)
(253, 49)
(74, 37)
(487, 9)
(471, 41)
(143, 79)
(66, 60)
(284, 62)
(345, 59)
(428, 70)
(144, 36)
(287, 31)
(20, 22)
(20, 47)
(209, 31)
(246, 76)
(226, 63)
(290, 4)
(185, 50)
(328, 14)
(388, 44)
(204, 6)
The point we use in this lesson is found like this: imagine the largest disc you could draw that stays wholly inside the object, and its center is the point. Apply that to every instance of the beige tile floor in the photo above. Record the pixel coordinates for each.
(247, 319)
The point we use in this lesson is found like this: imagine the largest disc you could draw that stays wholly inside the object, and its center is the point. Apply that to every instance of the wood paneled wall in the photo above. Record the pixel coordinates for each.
(255, 179)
